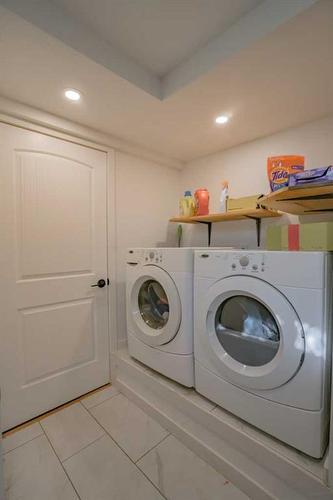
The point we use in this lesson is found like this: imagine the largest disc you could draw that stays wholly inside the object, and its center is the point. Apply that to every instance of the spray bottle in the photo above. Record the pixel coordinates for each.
(224, 196)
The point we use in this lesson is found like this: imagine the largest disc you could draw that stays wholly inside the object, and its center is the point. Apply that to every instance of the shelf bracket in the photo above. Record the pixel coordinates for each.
(209, 226)
(258, 227)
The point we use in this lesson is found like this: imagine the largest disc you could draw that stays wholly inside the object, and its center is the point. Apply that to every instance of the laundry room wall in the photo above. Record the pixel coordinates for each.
(146, 197)
(244, 167)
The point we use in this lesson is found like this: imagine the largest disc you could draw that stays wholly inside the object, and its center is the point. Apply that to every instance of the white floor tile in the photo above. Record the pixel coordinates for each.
(103, 472)
(33, 472)
(70, 430)
(21, 436)
(181, 475)
(129, 426)
(99, 397)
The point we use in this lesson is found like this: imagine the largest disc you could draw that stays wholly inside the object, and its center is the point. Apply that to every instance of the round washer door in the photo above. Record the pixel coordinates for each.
(155, 306)
(254, 334)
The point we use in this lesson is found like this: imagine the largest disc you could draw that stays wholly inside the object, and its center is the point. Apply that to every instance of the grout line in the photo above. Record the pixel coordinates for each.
(151, 482)
(63, 468)
(25, 442)
(98, 404)
(125, 453)
(151, 449)
(84, 447)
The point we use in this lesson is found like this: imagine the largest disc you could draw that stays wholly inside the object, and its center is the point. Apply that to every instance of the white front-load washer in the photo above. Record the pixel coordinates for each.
(262, 335)
(159, 303)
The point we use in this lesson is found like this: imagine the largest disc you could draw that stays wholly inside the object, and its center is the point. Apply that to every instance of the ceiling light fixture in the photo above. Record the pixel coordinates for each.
(72, 94)
(221, 119)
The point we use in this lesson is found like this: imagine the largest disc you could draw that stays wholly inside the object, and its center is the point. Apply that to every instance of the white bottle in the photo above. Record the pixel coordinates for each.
(224, 196)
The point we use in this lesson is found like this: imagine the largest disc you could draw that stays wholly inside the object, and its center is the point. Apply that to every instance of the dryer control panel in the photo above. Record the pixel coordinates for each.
(231, 262)
(252, 263)
(292, 269)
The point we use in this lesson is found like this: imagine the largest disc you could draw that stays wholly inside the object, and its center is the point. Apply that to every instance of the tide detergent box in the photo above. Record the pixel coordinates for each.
(280, 167)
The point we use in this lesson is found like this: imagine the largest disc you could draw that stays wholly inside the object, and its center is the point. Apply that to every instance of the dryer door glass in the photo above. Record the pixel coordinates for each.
(153, 304)
(247, 330)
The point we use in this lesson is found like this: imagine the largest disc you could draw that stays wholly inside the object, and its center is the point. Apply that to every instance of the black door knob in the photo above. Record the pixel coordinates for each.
(100, 283)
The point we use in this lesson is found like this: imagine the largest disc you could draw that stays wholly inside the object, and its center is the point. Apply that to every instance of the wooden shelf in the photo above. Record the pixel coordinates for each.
(301, 201)
(259, 213)
(183, 220)
(253, 214)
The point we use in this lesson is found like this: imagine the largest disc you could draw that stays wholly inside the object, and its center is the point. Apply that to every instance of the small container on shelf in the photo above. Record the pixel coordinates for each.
(202, 201)
(244, 203)
(224, 197)
(187, 205)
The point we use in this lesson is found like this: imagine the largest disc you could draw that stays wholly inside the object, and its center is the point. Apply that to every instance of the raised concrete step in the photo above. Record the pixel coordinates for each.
(263, 467)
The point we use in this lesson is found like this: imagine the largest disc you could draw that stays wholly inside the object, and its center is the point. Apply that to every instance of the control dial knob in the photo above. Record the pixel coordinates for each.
(244, 261)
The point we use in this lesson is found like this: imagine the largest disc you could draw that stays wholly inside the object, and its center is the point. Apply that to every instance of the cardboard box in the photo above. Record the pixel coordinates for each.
(274, 238)
(246, 202)
(316, 236)
(284, 237)
(314, 177)
(310, 236)
(279, 168)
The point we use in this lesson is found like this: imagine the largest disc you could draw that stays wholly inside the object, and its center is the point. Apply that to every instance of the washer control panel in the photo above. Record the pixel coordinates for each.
(144, 256)
(152, 256)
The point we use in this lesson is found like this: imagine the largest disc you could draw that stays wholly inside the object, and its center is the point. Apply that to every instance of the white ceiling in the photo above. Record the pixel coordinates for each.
(158, 34)
(280, 80)
(131, 37)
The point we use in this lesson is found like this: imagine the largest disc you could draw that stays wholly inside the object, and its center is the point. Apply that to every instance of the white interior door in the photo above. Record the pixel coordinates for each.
(54, 330)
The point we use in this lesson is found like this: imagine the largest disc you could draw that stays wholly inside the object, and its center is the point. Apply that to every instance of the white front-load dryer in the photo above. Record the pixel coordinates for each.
(159, 303)
(262, 334)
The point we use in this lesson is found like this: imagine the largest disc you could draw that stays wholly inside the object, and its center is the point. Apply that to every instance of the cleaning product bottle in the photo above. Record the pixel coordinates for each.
(187, 205)
(224, 196)
(201, 201)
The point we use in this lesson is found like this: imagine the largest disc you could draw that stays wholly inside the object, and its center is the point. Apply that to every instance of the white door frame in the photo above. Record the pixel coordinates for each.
(111, 213)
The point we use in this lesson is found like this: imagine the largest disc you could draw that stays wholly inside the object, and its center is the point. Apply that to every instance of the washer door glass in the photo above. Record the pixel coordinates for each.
(247, 330)
(153, 304)
(154, 309)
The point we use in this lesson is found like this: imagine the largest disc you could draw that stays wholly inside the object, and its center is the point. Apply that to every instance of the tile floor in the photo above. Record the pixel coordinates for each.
(104, 447)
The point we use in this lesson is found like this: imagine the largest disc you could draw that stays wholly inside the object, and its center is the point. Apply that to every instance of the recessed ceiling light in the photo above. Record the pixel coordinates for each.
(221, 119)
(72, 94)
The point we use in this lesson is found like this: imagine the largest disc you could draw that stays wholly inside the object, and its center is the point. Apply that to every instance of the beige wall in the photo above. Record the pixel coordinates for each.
(245, 169)
(146, 196)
